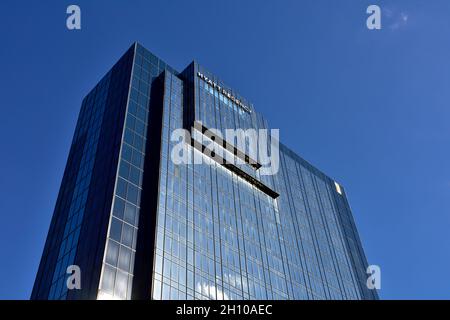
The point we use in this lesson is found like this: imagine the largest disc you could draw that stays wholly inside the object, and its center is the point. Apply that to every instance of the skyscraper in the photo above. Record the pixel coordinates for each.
(140, 224)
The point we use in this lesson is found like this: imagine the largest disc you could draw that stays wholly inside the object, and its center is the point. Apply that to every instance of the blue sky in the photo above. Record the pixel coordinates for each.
(369, 108)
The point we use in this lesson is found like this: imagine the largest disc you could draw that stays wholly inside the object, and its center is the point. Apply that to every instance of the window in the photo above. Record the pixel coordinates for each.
(116, 229)
(121, 188)
(112, 253)
(126, 152)
(134, 175)
(119, 206)
(109, 274)
(120, 288)
(124, 170)
(124, 259)
(127, 235)
(132, 193)
(130, 213)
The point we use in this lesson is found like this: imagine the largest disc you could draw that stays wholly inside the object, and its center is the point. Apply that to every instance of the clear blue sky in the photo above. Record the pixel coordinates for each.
(370, 108)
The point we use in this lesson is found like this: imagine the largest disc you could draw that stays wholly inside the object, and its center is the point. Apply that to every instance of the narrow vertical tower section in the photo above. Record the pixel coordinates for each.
(80, 220)
(136, 146)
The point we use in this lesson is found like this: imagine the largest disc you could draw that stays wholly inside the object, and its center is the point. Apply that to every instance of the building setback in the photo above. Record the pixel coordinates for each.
(140, 226)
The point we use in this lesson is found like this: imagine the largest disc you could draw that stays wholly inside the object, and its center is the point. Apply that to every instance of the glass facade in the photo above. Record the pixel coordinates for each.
(144, 227)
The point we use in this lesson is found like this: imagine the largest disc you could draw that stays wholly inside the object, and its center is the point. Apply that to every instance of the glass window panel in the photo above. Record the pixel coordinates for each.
(157, 290)
(138, 142)
(130, 286)
(134, 238)
(128, 136)
(121, 188)
(140, 128)
(121, 285)
(130, 213)
(124, 258)
(132, 195)
(124, 170)
(126, 152)
(127, 235)
(116, 229)
(119, 206)
(136, 159)
(158, 264)
(134, 175)
(109, 274)
(130, 122)
(112, 253)
(165, 292)
(132, 108)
